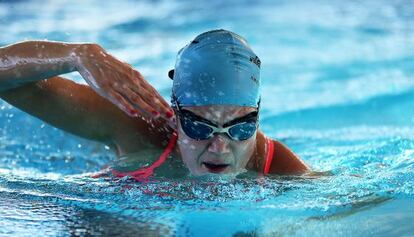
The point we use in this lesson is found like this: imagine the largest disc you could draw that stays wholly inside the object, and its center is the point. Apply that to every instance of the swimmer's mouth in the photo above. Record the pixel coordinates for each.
(215, 168)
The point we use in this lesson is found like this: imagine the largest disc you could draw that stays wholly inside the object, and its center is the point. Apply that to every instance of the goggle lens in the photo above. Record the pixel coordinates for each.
(195, 130)
(242, 131)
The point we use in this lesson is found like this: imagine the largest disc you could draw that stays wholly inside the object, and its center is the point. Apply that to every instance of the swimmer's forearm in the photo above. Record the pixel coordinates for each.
(36, 60)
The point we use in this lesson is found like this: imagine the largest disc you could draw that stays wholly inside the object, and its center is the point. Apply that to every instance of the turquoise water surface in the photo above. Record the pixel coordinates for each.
(338, 88)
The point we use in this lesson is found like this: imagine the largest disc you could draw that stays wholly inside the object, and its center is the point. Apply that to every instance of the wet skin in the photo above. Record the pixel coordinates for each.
(121, 109)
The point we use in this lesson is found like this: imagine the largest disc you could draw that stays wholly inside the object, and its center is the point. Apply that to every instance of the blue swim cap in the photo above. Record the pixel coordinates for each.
(217, 68)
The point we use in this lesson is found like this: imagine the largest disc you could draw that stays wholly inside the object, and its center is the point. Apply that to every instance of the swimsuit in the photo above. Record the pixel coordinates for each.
(269, 156)
(144, 173)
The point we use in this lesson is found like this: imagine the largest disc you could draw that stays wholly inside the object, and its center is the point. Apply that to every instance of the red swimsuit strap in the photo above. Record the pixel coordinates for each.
(144, 173)
(269, 155)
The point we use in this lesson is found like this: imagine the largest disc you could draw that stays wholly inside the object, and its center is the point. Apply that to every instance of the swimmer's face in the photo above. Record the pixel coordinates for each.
(218, 154)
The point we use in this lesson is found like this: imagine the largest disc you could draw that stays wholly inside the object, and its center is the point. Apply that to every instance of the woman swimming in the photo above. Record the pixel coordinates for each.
(214, 112)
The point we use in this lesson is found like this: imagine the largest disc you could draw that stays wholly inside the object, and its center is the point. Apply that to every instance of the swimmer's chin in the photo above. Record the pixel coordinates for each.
(229, 172)
(214, 177)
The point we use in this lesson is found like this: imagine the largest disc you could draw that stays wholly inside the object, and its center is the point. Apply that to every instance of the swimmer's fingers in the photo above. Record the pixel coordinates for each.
(116, 80)
(114, 86)
(143, 102)
(124, 95)
(132, 110)
(125, 101)
(122, 103)
(163, 104)
(138, 103)
(150, 95)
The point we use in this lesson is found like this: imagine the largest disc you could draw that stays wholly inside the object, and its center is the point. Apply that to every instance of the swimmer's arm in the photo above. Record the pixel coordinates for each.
(33, 61)
(118, 82)
(286, 162)
(77, 109)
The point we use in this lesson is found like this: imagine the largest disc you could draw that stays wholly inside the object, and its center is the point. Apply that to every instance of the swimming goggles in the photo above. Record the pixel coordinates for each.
(199, 128)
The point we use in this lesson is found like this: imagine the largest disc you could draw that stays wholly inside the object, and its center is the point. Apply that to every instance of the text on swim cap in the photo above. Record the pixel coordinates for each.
(255, 60)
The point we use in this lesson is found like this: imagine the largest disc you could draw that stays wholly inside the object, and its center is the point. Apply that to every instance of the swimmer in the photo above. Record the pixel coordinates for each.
(212, 125)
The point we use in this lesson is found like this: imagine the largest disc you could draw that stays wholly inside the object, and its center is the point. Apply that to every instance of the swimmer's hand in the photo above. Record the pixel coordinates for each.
(120, 83)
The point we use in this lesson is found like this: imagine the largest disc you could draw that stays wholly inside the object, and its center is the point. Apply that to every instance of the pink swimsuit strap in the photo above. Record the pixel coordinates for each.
(145, 173)
(269, 155)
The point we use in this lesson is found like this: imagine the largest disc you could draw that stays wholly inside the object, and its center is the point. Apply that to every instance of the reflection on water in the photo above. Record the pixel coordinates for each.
(28, 216)
(274, 205)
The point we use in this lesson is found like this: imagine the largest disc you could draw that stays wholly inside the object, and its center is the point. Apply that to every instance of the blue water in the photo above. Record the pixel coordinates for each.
(338, 88)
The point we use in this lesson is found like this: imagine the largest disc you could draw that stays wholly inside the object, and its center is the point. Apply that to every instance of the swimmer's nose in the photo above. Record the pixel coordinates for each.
(219, 145)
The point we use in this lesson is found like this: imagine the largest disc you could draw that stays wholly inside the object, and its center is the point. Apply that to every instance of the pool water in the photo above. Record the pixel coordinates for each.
(338, 88)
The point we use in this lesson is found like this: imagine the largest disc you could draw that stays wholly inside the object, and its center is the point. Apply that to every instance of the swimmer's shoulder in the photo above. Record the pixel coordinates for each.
(286, 162)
